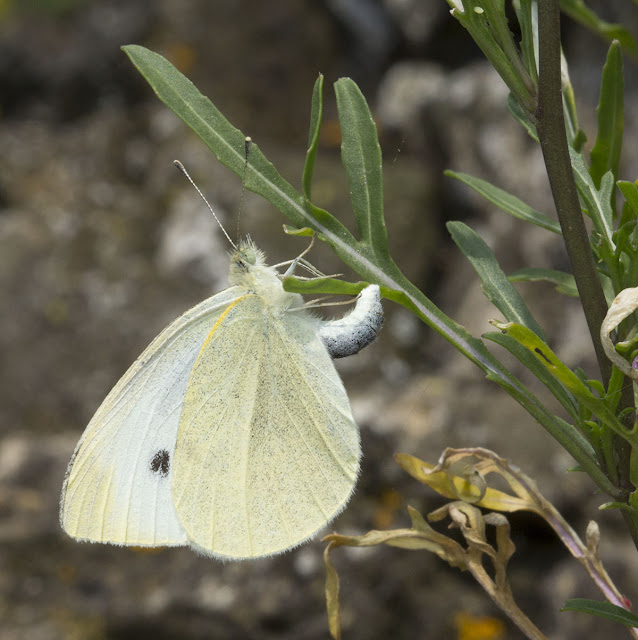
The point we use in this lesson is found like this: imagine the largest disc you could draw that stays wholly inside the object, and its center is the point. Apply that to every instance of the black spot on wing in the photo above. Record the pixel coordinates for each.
(161, 463)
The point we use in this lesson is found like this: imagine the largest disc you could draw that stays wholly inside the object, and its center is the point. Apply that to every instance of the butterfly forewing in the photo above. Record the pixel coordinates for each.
(267, 450)
(117, 487)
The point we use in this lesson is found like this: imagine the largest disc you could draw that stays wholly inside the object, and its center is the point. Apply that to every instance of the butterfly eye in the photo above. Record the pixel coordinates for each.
(248, 254)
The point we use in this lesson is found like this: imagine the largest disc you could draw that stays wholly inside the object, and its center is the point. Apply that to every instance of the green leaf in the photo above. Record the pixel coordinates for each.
(577, 10)
(564, 282)
(227, 143)
(487, 24)
(316, 111)
(494, 282)
(629, 191)
(506, 201)
(514, 107)
(603, 610)
(575, 136)
(304, 232)
(605, 155)
(526, 12)
(597, 201)
(607, 506)
(361, 156)
(327, 286)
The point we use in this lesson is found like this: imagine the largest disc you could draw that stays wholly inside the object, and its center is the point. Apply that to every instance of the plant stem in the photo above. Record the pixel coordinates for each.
(505, 600)
(550, 125)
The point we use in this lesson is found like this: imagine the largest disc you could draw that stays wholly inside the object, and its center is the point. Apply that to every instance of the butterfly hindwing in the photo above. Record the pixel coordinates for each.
(267, 450)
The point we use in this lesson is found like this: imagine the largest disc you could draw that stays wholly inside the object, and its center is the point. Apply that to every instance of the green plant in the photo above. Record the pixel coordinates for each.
(600, 431)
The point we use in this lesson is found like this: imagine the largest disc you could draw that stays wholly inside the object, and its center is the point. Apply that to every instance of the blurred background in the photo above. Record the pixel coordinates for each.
(103, 242)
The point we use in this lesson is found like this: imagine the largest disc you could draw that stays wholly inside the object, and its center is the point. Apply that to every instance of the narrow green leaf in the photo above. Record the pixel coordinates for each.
(577, 10)
(494, 282)
(597, 201)
(327, 286)
(227, 143)
(607, 506)
(630, 193)
(304, 232)
(532, 364)
(564, 282)
(603, 610)
(495, 41)
(316, 112)
(605, 155)
(527, 19)
(496, 17)
(506, 201)
(361, 156)
(514, 107)
(570, 114)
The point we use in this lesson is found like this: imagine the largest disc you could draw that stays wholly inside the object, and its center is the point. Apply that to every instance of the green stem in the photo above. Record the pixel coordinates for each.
(550, 125)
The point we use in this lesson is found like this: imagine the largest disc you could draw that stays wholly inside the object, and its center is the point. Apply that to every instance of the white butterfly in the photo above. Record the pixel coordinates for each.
(232, 432)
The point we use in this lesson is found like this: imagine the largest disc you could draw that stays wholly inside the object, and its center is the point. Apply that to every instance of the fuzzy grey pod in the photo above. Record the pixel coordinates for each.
(348, 335)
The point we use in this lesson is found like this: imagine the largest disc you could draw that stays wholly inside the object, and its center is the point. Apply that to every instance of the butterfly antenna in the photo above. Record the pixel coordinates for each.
(247, 143)
(181, 167)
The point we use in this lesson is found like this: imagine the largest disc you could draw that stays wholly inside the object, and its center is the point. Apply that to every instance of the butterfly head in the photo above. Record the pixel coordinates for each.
(244, 259)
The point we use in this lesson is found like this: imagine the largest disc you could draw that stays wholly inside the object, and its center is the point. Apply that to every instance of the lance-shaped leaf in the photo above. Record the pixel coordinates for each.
(316, 111)
(603, 610)
(361, 156)
(564, 282)
(605, 155)
(494, 283)
(526, 12)
(597, 201)
(506, 201)
(487, 24)
(228, 144)
(323, 286)
(575, 135)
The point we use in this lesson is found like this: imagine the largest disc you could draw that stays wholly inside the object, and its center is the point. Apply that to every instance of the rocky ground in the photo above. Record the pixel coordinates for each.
(102, 243)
